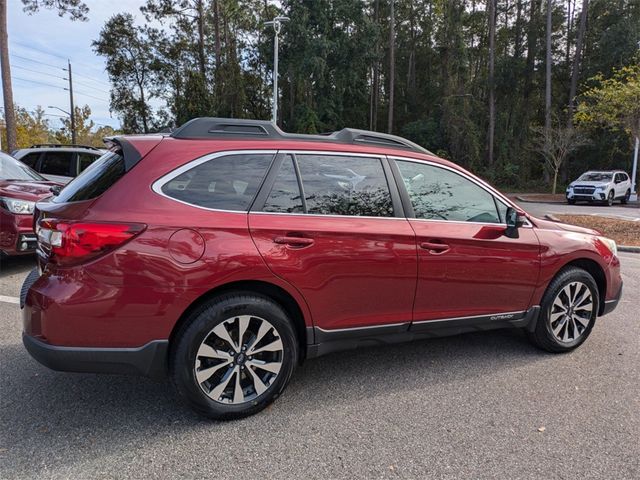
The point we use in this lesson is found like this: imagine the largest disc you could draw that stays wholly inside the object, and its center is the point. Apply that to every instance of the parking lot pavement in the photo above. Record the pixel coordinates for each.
(541, 209)
(485, 405)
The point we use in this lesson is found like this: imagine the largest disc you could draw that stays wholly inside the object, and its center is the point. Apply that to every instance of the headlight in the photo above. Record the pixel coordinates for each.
(601, 188)
(17, 206)
(611, 244)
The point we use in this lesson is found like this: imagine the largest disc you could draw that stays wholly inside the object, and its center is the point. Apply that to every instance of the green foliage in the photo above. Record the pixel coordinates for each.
(74, 9)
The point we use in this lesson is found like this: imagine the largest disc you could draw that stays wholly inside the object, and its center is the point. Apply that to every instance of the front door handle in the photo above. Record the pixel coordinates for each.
(294, 241)
(434, 247)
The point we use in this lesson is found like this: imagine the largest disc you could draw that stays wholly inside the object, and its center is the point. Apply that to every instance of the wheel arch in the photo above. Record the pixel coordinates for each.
(269, 290)
(597, 272)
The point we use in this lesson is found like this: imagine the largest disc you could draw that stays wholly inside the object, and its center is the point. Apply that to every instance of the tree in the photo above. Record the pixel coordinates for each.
(614, 103)
(75, 9)
(582, 28)
(130, 65)
(491, 10)
(556, 144)
(392, 64)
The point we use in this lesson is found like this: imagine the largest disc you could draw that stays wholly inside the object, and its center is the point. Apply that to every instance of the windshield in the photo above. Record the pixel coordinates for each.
(595, 177)
(12, 169)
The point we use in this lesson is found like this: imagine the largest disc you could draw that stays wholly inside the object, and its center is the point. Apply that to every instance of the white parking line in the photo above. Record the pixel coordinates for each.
(5, 299)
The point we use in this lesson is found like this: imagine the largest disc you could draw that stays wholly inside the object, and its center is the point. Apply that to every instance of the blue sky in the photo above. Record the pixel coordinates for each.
(39, 46)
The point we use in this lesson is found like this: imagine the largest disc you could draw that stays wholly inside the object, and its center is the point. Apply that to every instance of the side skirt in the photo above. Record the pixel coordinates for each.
(328, 341)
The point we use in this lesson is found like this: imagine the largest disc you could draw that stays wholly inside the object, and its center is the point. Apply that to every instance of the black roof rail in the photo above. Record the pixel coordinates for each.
(60, 145)
(210, 127)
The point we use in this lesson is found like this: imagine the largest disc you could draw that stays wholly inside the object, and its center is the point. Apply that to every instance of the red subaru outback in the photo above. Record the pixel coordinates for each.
(228, 252)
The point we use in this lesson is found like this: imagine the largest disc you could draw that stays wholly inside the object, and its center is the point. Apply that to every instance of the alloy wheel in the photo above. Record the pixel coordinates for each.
(571, 312)
(239, 359)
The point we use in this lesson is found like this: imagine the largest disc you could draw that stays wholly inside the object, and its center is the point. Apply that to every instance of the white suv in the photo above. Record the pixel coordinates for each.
(59, 163)
(600, 187)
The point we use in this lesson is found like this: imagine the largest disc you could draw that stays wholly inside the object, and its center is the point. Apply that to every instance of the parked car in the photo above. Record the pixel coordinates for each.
(20, 189)
(60, 163)
(228, 252)
(605, 186)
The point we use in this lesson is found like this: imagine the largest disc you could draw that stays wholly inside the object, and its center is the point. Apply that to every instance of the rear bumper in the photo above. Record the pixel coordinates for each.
(150, 360)
(610, 305)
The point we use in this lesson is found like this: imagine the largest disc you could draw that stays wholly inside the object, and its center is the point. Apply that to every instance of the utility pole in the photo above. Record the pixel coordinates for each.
(276, 23)
(72, 110)
(7, 91)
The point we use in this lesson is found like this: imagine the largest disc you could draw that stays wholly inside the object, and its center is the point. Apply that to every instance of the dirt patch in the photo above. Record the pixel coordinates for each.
(624, 232)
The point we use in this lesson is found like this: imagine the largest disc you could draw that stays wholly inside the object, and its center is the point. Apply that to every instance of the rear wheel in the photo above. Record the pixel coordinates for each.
(626, 197)
(234, 356)
(568, 311)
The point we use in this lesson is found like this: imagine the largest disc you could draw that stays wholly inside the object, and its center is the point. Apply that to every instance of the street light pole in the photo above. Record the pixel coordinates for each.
(73, 124)
(634, 185)
(276, 23)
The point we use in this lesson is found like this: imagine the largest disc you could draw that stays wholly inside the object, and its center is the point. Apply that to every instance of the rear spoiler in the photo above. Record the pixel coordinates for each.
(125, 148)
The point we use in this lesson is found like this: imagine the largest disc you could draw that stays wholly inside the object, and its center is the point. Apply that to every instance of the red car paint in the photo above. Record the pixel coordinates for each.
(16, 227)
(357, 272)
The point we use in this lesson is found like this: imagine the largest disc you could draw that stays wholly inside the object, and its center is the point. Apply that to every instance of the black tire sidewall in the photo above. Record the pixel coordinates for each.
(544, 325)
(200, 323)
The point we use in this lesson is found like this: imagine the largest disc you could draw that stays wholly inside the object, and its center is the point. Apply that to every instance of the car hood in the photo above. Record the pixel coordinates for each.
(565, 227)
(31, 191)
(586, 183)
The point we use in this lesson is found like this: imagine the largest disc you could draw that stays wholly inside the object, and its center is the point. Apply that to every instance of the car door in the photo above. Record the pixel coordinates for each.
(58, 166)
(331, 226)
(621, 186)
(467, 266)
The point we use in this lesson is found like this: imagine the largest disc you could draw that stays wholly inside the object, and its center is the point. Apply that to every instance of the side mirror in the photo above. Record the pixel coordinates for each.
(514, 221)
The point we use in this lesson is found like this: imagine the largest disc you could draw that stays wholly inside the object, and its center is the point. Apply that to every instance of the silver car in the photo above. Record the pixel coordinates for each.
(59, 163)
(600, 186)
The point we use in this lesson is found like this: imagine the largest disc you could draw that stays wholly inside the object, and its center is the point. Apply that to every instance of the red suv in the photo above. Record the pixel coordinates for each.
(20, 189)
(228, 252)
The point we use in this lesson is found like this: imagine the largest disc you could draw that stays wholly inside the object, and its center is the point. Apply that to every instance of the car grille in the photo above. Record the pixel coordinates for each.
(584, 190)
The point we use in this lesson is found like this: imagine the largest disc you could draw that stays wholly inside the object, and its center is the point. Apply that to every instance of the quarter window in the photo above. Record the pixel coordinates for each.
(343, 185)
(285, 194)
(224, 183)
(440, 194)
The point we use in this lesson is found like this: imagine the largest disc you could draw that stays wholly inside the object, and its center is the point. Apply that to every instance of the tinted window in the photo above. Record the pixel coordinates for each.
(84, 160)
(440, 194)
(57, 163)
(95, 180)
(30, 159)
(225, 183)
(341, 185)
(595, 177)
(12, 169)
(285, 194)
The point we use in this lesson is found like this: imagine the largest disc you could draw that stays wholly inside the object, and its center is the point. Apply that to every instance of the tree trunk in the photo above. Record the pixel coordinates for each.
(7, 91)
(392, 64)
(201, 55)
(532, 40)
(375, 84)
(582, 28)
(547, 92)
(555, 180)
(492, 103)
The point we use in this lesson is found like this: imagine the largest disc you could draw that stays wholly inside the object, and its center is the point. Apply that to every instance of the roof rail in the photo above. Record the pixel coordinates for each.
(60, 145)
(229, 128)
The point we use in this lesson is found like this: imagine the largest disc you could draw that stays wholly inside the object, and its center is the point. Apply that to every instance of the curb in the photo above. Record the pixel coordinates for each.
(524, 200)
(621, 248)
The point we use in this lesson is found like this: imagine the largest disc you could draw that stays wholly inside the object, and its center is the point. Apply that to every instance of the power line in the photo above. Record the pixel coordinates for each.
(89, 86)
(91, 78)
(57, 67)
(39, 83)
(91, 96)
(38, 50)
(36, 71)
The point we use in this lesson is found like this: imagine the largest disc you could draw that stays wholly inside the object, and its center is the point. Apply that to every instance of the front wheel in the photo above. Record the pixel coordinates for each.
(626, 197)
(571, 201)
(233, 356)
(610, 198)
(568, 311)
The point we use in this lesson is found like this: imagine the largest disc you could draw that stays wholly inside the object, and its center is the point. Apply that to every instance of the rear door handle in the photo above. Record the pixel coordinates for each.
(434, 247)
(294, 241)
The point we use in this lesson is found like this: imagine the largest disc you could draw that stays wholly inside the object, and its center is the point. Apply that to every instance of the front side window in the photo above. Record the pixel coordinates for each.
(58, 163)
(440, 194)
(343, 185)
(223, 183)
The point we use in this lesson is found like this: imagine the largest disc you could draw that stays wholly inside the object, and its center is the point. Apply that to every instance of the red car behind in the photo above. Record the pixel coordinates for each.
(20, 189)
(228, 252)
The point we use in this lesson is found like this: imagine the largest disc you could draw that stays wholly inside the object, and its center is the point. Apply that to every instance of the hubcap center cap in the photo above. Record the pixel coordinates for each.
(241, 358)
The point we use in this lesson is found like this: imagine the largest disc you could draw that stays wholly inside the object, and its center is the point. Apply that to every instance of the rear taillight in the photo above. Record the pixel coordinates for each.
(71, 243)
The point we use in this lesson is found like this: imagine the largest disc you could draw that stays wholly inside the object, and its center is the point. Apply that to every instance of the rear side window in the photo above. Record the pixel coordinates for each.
(224, 183)
(343, 185)
(58, 163)
(84, 160)
(95, 180)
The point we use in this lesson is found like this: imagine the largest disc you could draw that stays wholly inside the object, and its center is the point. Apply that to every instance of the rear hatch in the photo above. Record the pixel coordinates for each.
(65, 235)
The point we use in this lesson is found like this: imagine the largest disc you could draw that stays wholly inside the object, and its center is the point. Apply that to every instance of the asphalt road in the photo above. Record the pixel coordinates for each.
(471, 406)
(616, 211)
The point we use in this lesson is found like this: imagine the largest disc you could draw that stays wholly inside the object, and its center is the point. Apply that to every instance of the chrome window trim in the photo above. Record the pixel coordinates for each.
(487, 188)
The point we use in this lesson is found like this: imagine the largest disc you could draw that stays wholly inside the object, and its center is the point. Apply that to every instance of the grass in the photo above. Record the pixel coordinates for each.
(624, 232)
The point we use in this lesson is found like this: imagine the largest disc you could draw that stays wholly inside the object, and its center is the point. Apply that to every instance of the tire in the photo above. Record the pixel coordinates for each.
(569, 281)
(624, 200)
(200, 371)
(571, 202)
(610, 198)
